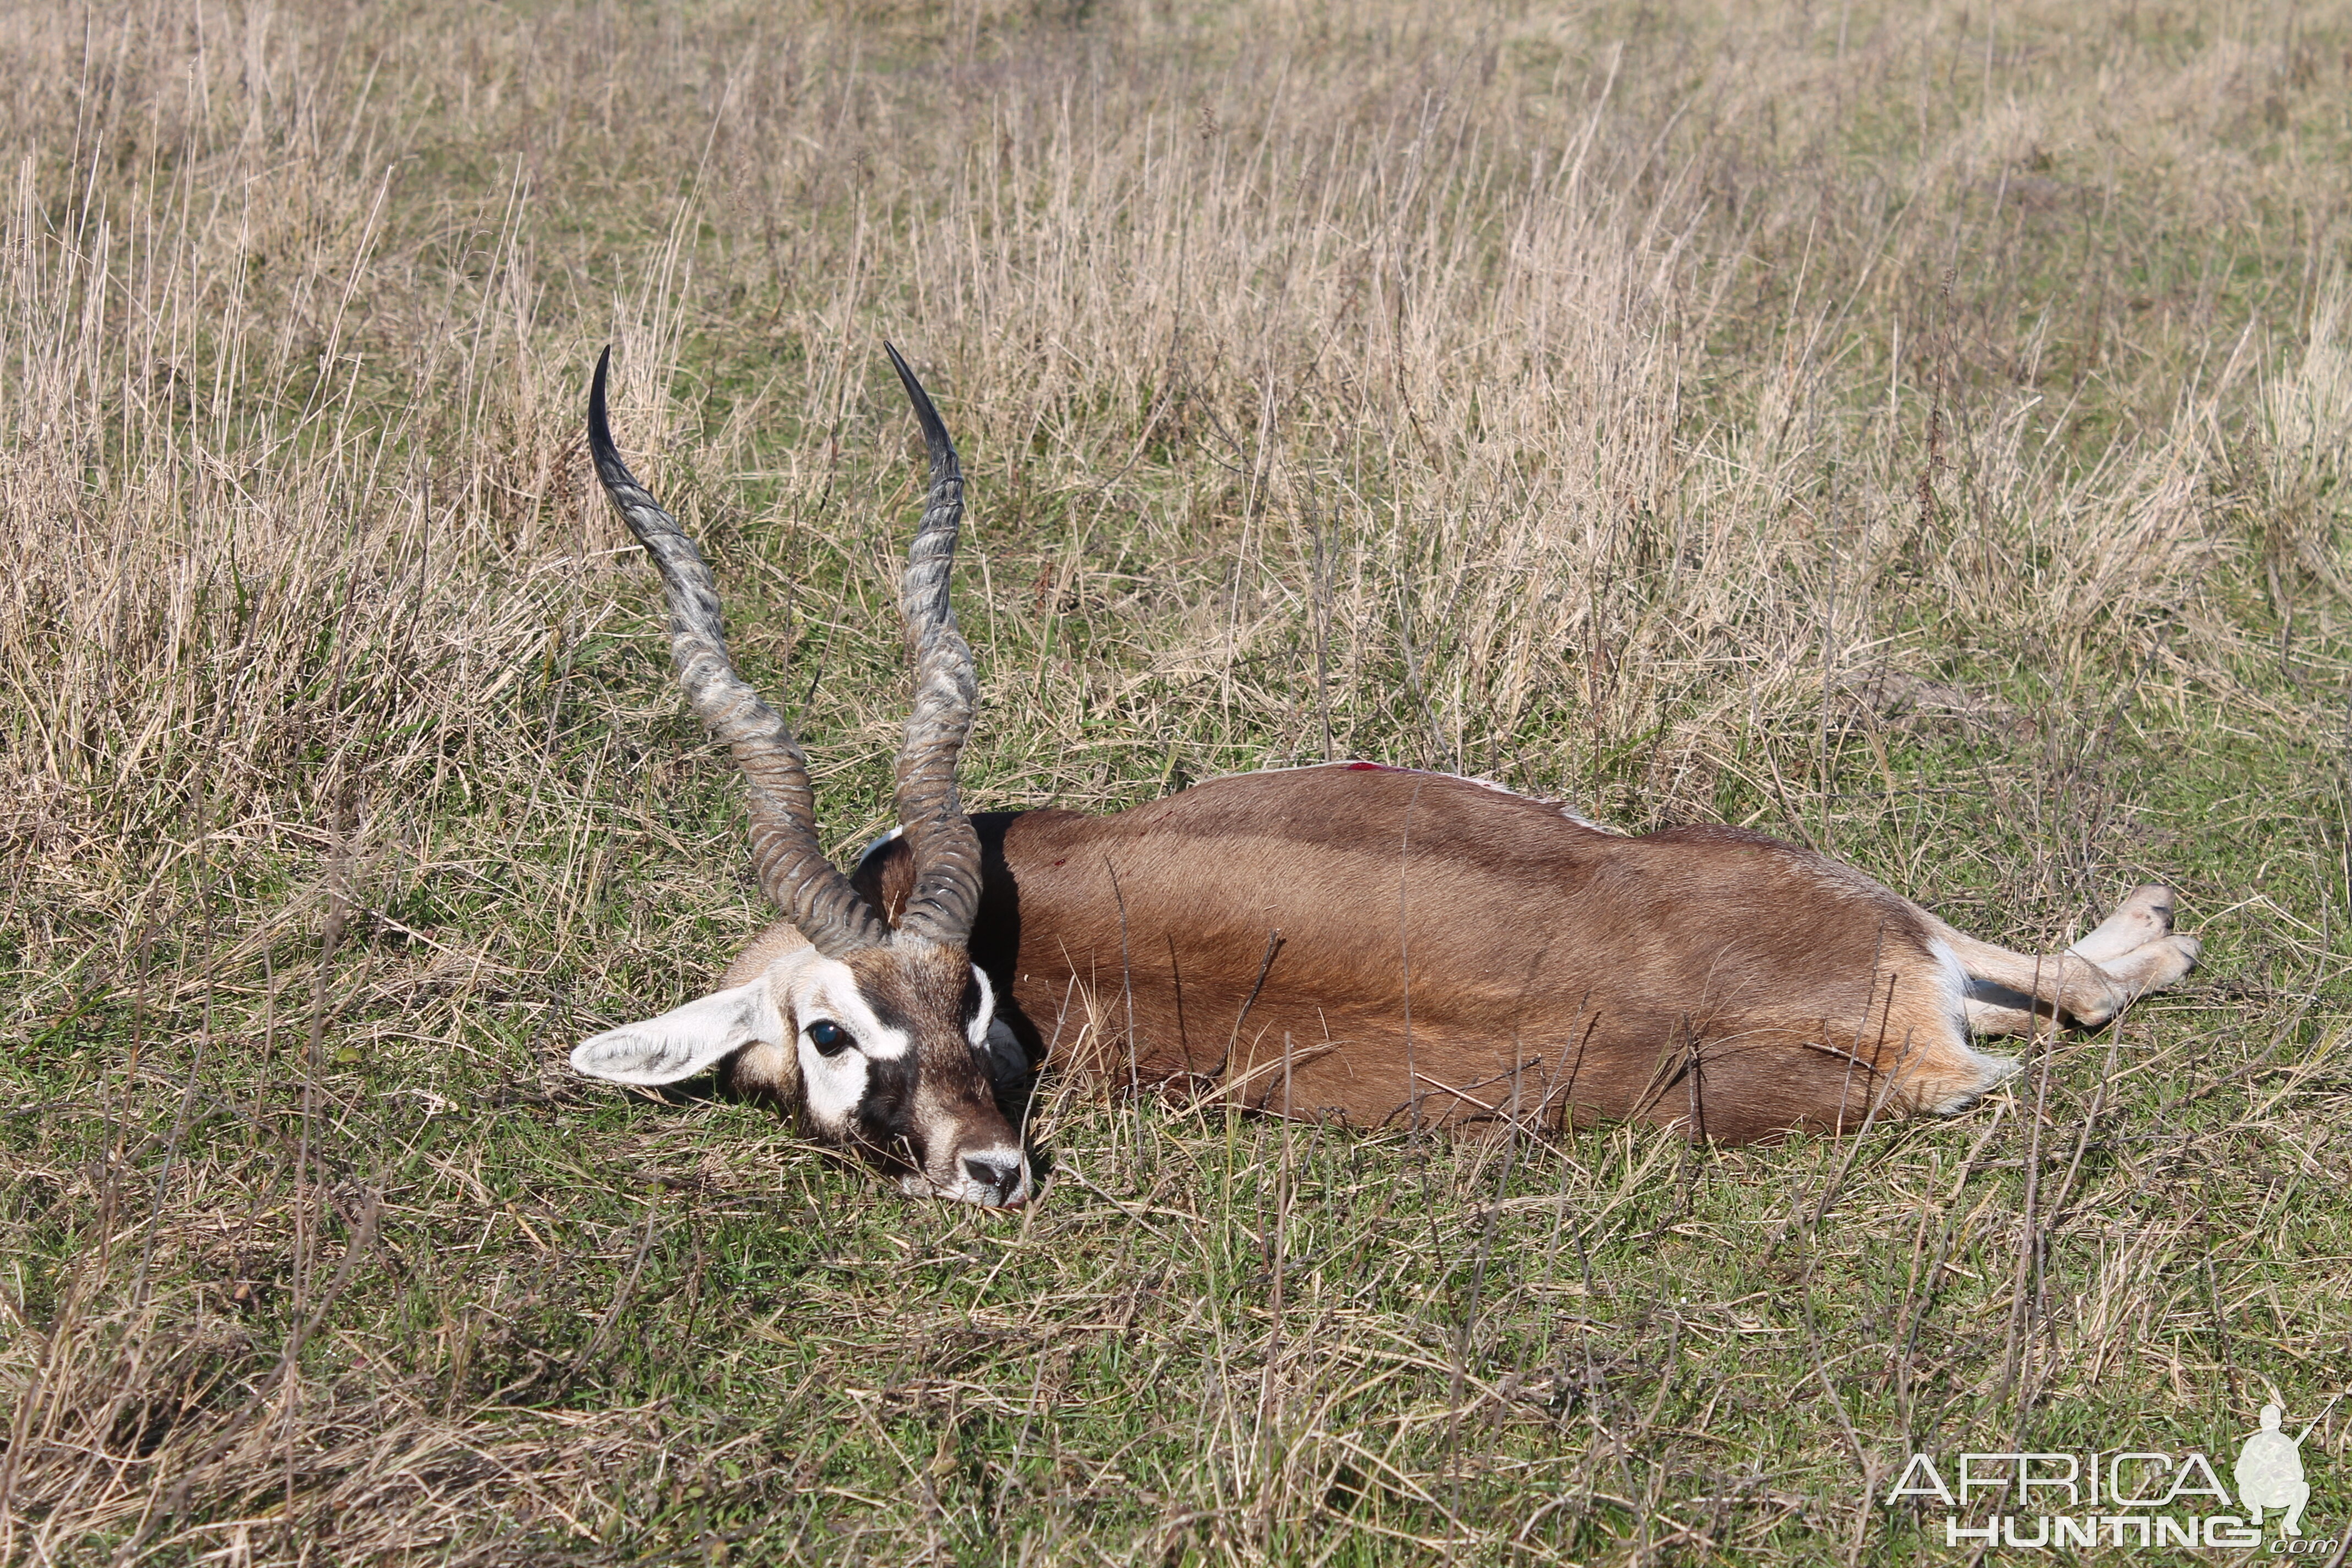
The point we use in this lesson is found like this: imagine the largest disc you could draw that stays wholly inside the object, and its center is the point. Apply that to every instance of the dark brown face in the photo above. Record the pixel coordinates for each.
(891, 1042)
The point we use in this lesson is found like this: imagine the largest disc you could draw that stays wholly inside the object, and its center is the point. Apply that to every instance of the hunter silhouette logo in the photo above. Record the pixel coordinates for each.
(2270, 1472)
(2135, 1498)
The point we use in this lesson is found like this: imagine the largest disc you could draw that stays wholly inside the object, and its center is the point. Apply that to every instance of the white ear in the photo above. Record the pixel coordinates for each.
(684, 1040)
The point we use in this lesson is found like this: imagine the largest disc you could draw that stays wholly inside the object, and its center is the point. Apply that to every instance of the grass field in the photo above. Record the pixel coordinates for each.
(1919, 432)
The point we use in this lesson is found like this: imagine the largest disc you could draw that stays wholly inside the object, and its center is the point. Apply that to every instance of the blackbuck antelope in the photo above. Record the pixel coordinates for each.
(1349, 941)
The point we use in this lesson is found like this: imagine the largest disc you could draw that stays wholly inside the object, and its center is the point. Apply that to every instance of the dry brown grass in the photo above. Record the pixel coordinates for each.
(1919, 432)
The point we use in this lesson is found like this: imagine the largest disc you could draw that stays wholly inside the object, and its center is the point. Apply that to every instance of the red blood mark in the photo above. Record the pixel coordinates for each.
(1369, 768)
(1058, 862)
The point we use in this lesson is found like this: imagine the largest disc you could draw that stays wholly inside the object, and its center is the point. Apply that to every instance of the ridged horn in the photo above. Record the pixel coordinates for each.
(945, 850)
(785, 853)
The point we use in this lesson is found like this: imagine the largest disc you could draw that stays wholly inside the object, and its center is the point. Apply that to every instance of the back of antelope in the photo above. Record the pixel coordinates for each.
(1350, 941)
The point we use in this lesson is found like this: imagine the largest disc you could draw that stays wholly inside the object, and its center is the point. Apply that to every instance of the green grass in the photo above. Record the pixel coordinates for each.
(1916, 441)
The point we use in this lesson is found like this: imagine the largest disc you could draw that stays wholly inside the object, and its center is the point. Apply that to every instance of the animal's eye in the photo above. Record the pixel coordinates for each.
(829, 1037)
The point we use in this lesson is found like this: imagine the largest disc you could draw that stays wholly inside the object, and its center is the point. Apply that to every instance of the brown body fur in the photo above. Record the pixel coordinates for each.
(1259, 932)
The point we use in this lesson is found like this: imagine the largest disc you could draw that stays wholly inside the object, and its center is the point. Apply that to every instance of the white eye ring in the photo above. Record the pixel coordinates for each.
(976, 1030)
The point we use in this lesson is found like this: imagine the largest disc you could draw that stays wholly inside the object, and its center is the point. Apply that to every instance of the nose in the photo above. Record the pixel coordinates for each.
(999, 1174)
